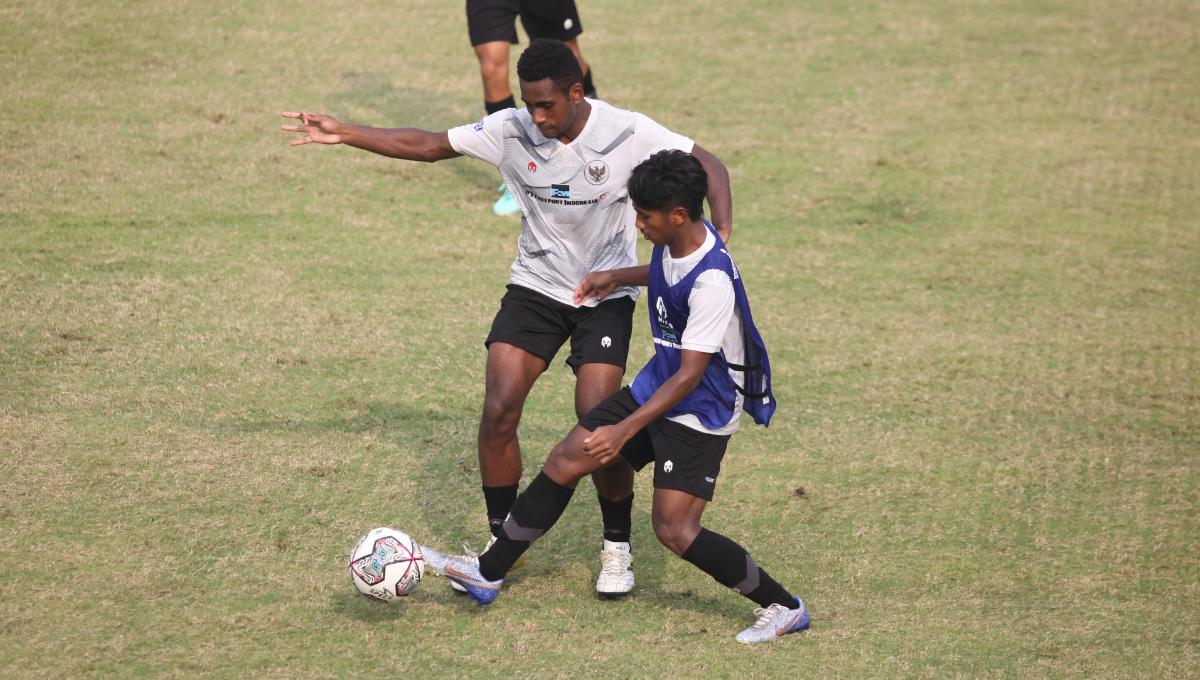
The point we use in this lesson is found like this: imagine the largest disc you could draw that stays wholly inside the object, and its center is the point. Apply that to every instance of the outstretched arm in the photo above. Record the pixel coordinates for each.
(720, 195)
(407, 143)
(605, 442)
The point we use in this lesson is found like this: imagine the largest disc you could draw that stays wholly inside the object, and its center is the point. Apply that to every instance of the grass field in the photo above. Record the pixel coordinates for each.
(971, 231)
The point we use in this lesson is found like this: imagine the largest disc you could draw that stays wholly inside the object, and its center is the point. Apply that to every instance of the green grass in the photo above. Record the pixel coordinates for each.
(971, 232)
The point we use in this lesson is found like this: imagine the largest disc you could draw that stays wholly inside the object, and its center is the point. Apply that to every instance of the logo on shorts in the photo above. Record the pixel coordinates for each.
(532, 166)
(668, 466)
(710, 480)
(606, 341)
(567, 24)
(597, 172)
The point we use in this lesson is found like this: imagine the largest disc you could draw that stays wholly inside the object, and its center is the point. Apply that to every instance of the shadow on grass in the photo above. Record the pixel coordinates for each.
(386, 419)
(362, 608)
(735, 608)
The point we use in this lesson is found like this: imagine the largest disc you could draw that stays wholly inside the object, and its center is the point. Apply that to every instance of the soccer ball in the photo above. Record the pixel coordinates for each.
(386, 564)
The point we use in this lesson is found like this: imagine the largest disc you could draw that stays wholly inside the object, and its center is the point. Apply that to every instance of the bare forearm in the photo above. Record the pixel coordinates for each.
(406, 143)
(631, 276)
(605, 442)
(666, 396)
(720, 193)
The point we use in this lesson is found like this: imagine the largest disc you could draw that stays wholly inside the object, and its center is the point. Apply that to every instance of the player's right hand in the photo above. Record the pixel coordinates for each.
(317, 127)
(605, 443)
(597, 286)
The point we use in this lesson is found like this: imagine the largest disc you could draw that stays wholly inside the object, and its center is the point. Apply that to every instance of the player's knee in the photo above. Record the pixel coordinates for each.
(493, 70)
(500, 417)
(674, 534)
(563, 467)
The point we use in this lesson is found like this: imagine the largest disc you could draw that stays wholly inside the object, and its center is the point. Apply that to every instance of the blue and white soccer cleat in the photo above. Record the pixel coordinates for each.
(473, 556)
(465, 572)
(775, 622)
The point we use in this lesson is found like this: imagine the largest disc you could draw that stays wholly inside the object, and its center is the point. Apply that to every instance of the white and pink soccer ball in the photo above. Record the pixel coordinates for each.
(386, 564)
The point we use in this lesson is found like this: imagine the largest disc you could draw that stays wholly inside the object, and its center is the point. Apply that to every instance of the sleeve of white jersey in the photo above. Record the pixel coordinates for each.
(711, 304)
(483, 140)
(652, 138)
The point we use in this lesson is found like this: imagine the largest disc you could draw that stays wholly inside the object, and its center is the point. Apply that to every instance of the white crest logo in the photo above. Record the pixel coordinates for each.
(668, 466)
(606, 341)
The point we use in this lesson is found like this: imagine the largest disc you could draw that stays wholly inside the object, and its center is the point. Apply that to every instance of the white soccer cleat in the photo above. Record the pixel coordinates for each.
(775, 622)
(616, 574)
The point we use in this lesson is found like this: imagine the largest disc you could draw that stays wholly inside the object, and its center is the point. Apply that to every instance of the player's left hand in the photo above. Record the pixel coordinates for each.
(605, 443)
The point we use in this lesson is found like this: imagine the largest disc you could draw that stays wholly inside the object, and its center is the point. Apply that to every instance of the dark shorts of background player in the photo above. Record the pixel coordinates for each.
(495, 20)
(695, 457)
(540, 325)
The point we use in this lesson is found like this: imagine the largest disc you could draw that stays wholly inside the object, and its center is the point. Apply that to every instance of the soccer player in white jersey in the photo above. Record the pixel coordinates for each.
(567, 160)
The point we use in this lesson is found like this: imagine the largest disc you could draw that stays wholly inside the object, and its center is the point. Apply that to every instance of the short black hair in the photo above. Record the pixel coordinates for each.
(551, 59)
(668, 179)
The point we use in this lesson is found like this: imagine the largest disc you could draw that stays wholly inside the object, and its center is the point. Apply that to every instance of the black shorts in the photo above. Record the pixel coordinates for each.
(540, 325)
(495, 20)
(685, 459)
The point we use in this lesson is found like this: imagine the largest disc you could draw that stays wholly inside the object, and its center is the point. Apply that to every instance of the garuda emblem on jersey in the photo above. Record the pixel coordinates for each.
(597, 172)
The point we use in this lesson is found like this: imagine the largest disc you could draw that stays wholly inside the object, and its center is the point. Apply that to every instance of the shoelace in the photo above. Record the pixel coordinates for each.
(613, 562)
(469, 553)
(767, 615)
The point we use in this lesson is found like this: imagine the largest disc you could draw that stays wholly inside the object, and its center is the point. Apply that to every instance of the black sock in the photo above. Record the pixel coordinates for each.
(731, 566)
(589, 90)
(536, 510)
(499, 500)
(492, 107)
(618, 518)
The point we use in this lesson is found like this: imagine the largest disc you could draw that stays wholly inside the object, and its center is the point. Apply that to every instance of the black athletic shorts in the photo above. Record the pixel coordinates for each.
(540, 325)
(493, 20)
(684, 459)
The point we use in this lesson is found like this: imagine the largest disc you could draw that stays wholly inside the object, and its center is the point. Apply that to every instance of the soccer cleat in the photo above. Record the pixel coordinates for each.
(616, 576)
(776, 621)
(506, 204)
(465, 572)
(473, 556)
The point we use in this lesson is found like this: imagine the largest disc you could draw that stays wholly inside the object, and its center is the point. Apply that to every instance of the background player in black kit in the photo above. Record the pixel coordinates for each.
(492, 27)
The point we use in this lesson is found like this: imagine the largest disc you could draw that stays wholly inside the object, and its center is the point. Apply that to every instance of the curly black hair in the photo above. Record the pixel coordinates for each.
(551, 59)
(668, 179)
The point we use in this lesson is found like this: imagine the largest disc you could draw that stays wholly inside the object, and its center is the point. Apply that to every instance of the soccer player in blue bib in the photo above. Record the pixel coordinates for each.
(709, 364)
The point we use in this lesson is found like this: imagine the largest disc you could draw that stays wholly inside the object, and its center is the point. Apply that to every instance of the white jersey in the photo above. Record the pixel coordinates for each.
(713, 323)
(576, 216)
